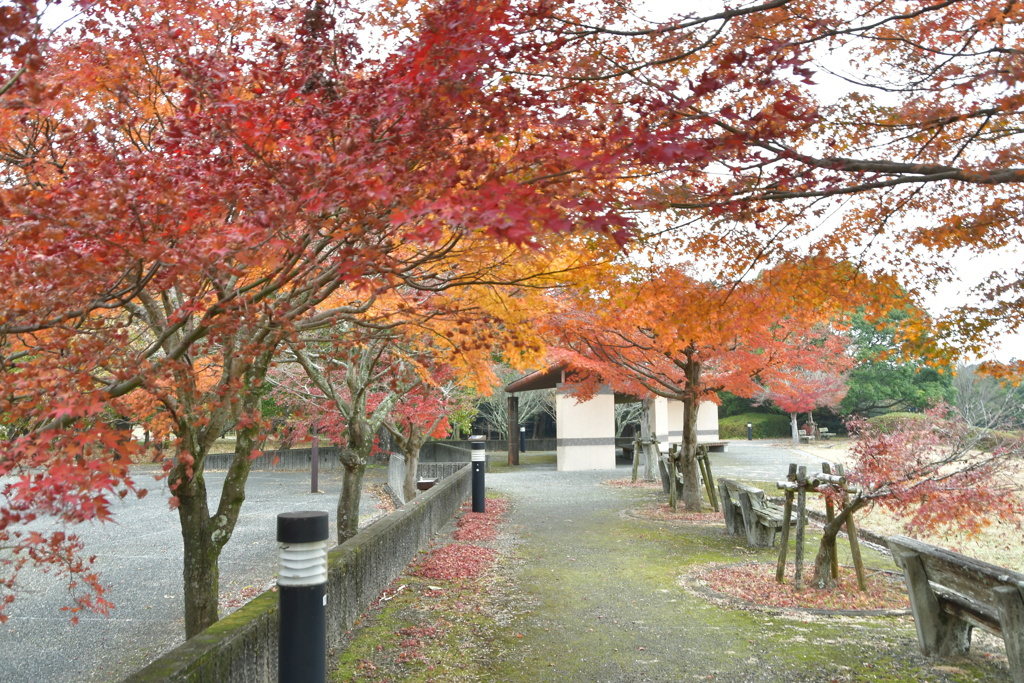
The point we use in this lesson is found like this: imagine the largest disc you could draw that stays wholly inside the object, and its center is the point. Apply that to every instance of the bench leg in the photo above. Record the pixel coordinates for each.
(1011, 620)
(728, 509)
(938, 634)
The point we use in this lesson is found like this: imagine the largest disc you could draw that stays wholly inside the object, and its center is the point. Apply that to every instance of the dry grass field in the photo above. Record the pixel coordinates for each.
(1002, 543)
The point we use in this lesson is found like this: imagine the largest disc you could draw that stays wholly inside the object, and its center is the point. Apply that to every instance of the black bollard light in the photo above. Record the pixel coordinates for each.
(479, 448)
(522, 439)
(302, 597)
(750, 432)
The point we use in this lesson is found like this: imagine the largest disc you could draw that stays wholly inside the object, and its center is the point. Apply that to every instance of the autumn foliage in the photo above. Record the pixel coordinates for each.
(189, 187)
(935, 472)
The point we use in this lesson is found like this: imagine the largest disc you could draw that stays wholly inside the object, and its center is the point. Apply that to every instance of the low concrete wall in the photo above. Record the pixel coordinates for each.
(396, 477)
(242, 647)
(441, 451)
(424, 470)
(438, 470)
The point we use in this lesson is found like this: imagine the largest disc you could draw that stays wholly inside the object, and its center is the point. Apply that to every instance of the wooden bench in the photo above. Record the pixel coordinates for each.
(950, 594)
(748, 512)
(663, 469)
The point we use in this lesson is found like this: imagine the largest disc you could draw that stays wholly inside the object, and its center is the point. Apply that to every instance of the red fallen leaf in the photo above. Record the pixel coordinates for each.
(456, 561)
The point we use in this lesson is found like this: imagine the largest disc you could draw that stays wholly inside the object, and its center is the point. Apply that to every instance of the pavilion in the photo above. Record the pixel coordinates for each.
(586, 430)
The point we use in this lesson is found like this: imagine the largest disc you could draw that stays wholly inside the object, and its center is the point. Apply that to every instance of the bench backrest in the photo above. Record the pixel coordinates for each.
(735, 487)
(756, 495)
(964, 581)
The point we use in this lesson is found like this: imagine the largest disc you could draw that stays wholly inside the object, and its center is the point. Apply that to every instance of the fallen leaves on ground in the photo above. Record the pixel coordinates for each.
(481, 526)
(755, 583)
(630, 484)
(662, 512)
(384, 500)
(461, 560)
(455, 561)
(433, 608)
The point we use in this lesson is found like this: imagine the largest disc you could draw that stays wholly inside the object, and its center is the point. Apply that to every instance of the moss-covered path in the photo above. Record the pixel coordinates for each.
(586, 591)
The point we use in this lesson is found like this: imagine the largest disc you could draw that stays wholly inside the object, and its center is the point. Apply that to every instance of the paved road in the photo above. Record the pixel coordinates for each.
(139, 557)
(760, 460)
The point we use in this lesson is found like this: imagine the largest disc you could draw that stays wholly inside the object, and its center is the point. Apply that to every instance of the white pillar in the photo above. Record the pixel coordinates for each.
(675, 421)
(586, 431)
(707, 422)
(661, 422)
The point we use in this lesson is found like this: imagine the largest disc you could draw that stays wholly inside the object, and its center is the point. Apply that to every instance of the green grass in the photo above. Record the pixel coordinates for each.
(764, 425)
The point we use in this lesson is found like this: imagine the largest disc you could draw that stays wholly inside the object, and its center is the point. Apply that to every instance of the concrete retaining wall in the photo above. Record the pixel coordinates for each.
(242, 647)
(424, 470)
(438, 470)
(396, 477)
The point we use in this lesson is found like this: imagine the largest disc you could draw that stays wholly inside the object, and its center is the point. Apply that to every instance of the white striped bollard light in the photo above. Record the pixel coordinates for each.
(302, 597)
(478, 444)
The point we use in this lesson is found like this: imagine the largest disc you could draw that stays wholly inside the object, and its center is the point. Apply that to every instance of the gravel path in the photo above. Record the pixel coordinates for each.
(139, 558)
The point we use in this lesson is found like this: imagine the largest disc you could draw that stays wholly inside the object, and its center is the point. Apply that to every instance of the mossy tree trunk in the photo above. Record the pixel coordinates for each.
(204, 535)
(351, 494)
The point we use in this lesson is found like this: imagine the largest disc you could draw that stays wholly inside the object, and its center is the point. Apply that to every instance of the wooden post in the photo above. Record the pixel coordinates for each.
(728, 509)
(801, 505)
(787, 513)
(636, 457)
(673, 498)
(937, 634)
(513, 429)
(709, 480)
(830, 515)
(1011, 621)
(851, 533)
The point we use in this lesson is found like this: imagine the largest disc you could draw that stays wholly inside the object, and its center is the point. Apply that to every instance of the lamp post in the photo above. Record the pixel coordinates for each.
(302, 597)
(478, 445)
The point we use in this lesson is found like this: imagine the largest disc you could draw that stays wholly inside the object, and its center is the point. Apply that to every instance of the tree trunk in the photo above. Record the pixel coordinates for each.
(823, 560)
(201, 575)
(794, 429)
(411, 452)
(692, 496)
(348, 502)
(203, 535)
(687, 465)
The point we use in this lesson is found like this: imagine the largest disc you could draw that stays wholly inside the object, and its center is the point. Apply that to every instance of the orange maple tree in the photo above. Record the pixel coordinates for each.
(675, 336)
